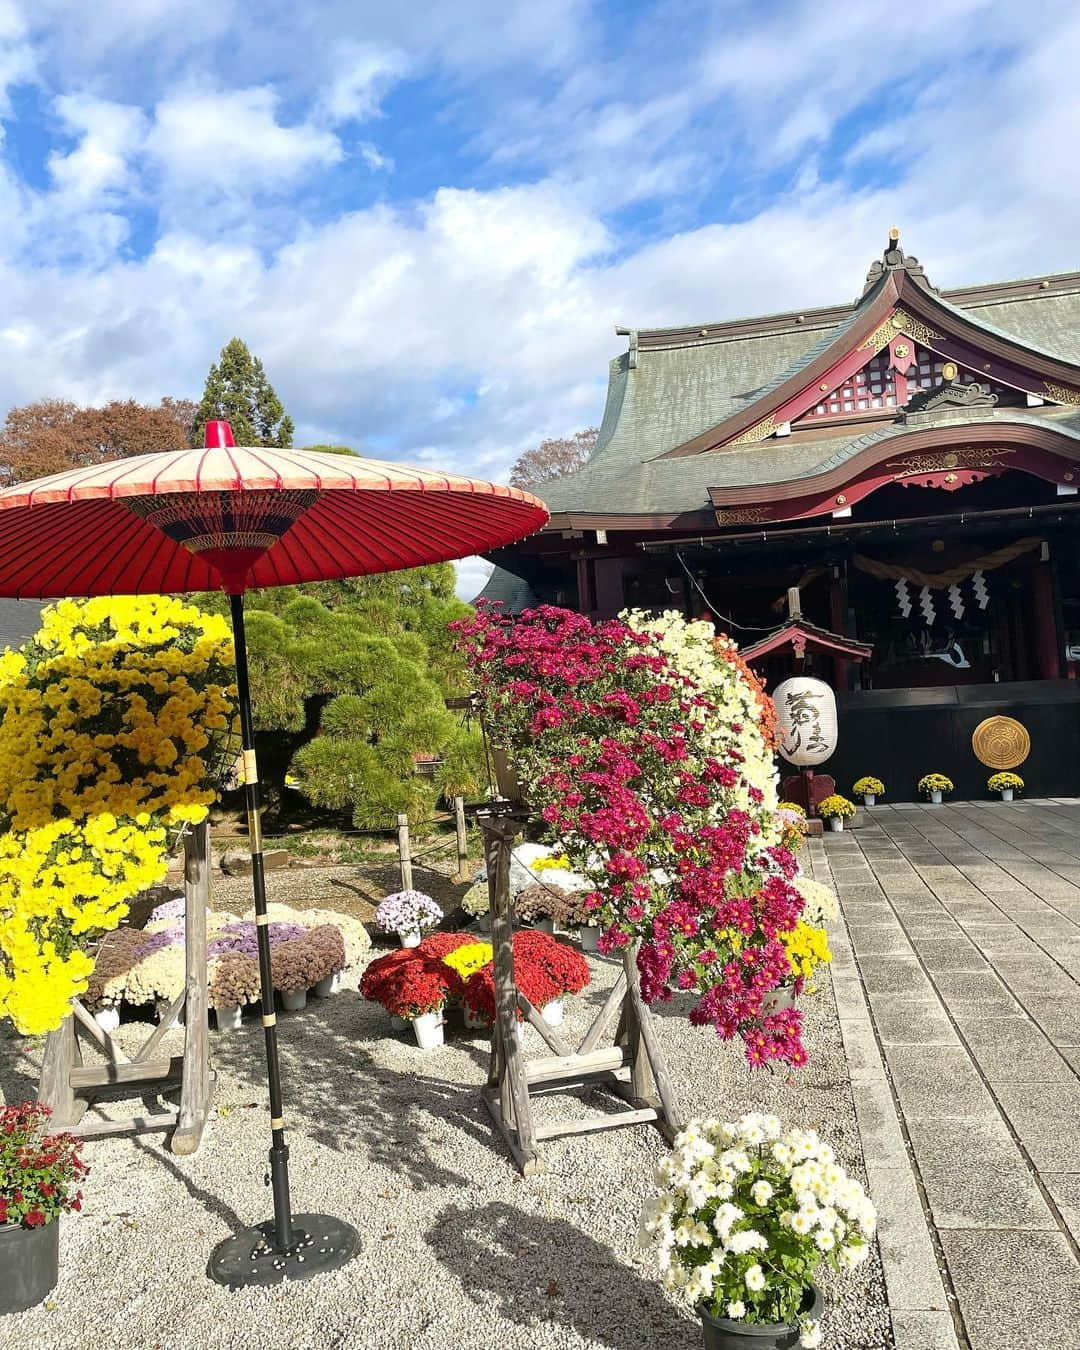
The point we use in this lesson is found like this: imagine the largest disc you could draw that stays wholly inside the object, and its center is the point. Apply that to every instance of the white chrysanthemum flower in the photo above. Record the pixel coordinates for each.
(736, 1309)
(755, 1279)
(749, 1240)
(725, 1217)
(825, 1240)
(762, 1192)
(699, 1285)
(801, 1223)
(811, 1333)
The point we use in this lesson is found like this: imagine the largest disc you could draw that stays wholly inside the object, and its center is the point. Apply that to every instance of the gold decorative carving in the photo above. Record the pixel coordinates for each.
(899, 321)
(742, 515)
(987, 458)
(1001, 743)
(1059, 394)
(759, 432)
(902, 349)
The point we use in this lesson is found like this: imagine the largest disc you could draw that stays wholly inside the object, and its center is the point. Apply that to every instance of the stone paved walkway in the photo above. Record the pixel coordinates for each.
(963, 979)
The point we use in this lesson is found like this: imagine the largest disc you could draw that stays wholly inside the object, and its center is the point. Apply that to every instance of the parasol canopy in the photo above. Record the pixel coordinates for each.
(238, 517)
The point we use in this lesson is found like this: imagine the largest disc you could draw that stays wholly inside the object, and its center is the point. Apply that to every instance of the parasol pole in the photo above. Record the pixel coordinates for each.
(279, 1149)
(270, 1252)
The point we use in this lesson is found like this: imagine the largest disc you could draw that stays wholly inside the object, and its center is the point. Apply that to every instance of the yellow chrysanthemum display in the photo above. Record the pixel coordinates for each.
(470, 958)
(807, 947)
(109, 719)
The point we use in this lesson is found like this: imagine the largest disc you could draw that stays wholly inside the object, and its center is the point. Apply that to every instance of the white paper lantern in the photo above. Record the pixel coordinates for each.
(806, 714)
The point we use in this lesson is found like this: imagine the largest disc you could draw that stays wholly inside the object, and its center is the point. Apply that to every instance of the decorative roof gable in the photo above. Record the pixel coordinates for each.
(900, 314)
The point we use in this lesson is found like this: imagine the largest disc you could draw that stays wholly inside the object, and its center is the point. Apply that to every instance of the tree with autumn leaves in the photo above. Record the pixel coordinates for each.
(55, 434)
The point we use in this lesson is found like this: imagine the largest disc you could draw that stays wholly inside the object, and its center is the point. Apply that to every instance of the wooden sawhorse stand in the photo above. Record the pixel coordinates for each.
(512, 1079)
(67, 1084)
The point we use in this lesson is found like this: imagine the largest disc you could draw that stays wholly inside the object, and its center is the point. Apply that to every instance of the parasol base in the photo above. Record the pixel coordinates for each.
(249, 1258)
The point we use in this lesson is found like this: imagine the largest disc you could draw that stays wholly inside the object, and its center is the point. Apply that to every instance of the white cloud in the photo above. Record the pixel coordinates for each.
(463, 326)
(110, 135)
(472, 575)
(231, 141)
(364, 70)
(17, 62)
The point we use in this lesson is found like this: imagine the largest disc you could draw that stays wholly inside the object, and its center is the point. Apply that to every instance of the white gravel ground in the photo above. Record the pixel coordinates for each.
(457, 1250)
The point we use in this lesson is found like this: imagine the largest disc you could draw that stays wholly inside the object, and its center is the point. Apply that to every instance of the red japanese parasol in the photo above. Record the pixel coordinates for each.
(231, 518)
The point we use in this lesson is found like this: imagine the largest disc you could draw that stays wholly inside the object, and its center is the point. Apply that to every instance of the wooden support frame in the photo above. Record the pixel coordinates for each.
(67, 1084)
(513, 1080)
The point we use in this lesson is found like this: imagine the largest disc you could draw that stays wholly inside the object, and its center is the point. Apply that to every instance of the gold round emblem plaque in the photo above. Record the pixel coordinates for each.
(1001, 743)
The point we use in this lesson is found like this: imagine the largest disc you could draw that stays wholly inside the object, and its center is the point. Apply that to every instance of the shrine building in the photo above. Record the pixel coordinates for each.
(903, 469)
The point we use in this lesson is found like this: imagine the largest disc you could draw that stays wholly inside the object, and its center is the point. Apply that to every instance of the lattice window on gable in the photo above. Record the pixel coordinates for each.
(926, 373)
(871, 387)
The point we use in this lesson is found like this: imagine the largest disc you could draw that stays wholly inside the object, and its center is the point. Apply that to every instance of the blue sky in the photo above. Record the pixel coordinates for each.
(427, 219)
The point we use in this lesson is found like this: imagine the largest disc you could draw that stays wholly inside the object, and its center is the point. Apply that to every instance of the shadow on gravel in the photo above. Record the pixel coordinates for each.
(18, 1071)
(337, 1093)
(537, 1270)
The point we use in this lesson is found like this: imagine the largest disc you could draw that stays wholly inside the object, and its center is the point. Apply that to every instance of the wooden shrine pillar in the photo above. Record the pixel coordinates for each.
(512, 1078)
(68, 1083)
(586, 584)
(837, 617)
(1044, 622)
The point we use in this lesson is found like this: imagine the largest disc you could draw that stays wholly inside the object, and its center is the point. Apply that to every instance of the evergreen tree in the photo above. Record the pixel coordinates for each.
(238, 391)
(369, 690)
(349, 678)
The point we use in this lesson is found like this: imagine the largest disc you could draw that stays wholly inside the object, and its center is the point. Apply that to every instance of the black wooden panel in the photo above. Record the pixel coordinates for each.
(898, 735)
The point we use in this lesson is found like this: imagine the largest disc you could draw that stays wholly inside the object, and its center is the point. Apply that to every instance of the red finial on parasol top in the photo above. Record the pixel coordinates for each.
(217, 435)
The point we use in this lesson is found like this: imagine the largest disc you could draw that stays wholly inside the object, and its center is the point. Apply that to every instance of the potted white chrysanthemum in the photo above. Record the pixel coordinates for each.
(744, 1215)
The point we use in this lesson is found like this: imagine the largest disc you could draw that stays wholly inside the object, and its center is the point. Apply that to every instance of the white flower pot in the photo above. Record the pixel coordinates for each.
(328, 985)
(783, 996)
(935, 796)
(229, 1016)
(108, 1019)
(429, 1030)
(1007, 794)
(482, 923)
(836, 824)
(410, 939)
(869, 798)
(398, 1023)
(553, 1012)
(294, 1001)
(588, 936)
(473, 1020)
(163, 1008)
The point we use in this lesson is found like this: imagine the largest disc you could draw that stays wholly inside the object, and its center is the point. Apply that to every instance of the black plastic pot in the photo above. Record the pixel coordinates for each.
(722, 1333)
(29, 1264)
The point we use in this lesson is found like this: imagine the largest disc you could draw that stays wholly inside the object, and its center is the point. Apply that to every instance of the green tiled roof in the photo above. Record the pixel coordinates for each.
(508, 590)
(682, 387)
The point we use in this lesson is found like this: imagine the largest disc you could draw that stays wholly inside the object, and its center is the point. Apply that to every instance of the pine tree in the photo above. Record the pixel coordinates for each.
(238, 391)
(349, 679)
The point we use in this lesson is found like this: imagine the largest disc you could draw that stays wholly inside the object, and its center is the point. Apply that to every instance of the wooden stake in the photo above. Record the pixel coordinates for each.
(62, 1054)
(514, 1092)
(462, 836)
(195, 1086)
(403, 851)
